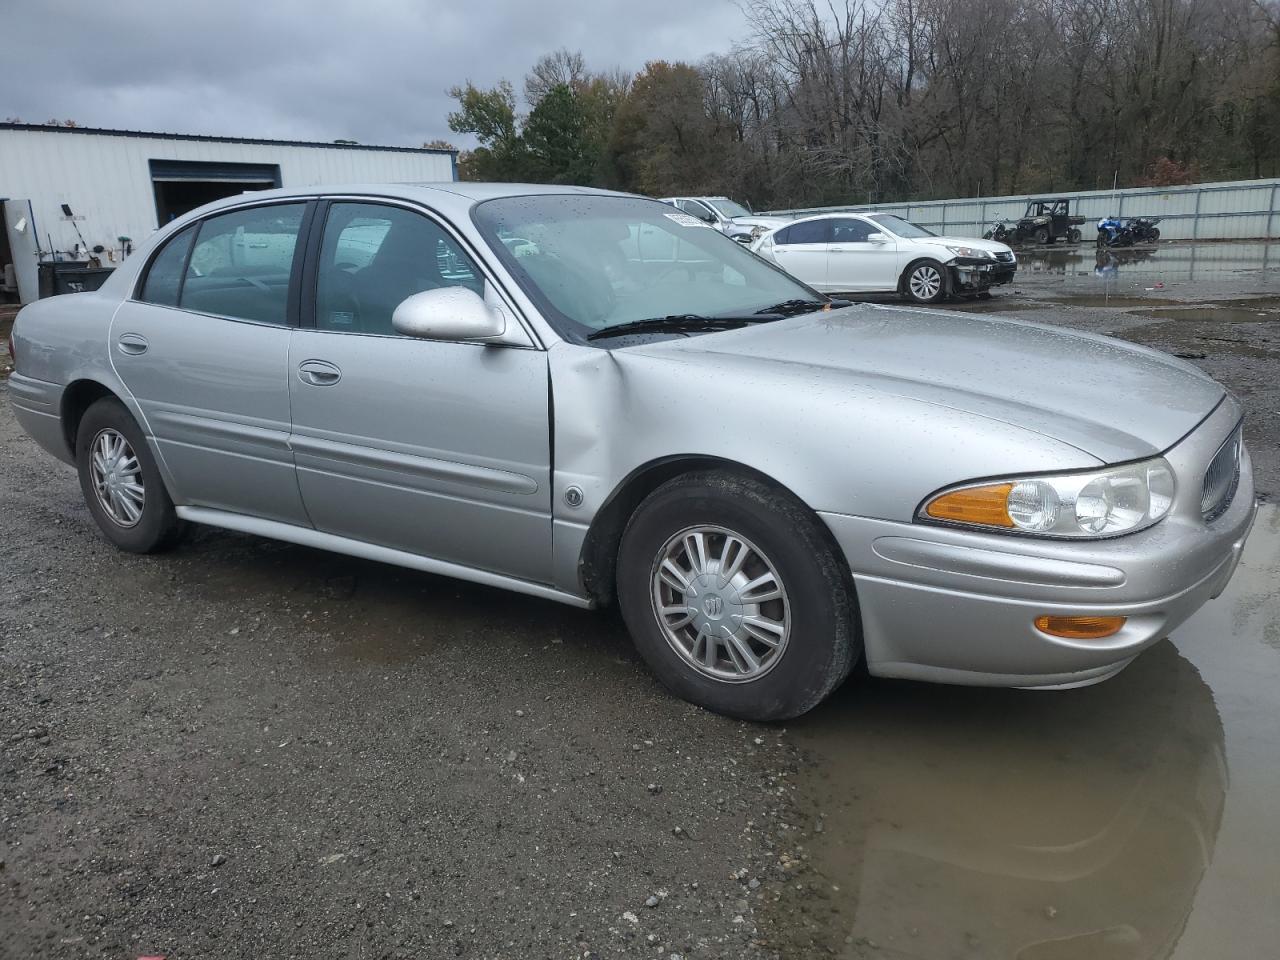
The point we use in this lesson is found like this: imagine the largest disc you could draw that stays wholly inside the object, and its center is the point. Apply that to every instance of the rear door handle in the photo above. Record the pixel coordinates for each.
(132, 344)
(319, 373)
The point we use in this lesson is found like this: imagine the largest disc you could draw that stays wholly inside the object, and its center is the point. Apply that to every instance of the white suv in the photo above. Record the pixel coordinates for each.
(727, 216)
(881, 253)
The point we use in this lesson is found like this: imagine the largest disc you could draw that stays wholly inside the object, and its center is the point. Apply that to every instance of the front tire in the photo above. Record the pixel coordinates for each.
(121, 482)
(1041, 236)
(926, 282)
(736, 597)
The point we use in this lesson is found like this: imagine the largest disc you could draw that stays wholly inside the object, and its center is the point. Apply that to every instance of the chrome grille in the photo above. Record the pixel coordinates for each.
(1221, 479)
(1004, 257)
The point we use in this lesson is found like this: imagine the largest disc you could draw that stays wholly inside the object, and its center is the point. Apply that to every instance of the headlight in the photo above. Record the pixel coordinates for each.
(969, 252)
(1103, 503)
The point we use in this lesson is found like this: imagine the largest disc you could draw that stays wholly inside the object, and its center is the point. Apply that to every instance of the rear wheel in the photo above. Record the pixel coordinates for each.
(1154, 234)
(736, 597)
(1073, 235)
(926, 282)
(121, 482)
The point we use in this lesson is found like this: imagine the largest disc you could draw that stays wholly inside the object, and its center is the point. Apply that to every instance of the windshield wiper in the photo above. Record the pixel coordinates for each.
(793, 308)
(677, 323)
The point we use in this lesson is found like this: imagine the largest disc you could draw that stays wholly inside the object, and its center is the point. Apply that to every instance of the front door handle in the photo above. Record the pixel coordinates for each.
(133, 344)
(319, 373)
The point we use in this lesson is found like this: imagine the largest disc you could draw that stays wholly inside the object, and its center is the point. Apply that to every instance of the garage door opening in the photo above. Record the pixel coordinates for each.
(182, 185)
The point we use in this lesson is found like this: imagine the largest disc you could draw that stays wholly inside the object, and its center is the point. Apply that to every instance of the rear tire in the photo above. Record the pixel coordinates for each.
(1155, 235)
(1073, 235)
(925, 282)
(121, 483)
(772, 640)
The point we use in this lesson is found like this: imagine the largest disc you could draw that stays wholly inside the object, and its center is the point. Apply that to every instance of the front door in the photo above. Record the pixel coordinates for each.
(441, 449)
(204, 349)
(801, 250)
(855, 263)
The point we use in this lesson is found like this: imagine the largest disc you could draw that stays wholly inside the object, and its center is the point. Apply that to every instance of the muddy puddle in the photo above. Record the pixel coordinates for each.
(1264, 312)
(1132, 819)
(1176, 261)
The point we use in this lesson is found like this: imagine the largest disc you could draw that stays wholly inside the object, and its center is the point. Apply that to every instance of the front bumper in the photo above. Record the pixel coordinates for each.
(969, 274)
(955, 606)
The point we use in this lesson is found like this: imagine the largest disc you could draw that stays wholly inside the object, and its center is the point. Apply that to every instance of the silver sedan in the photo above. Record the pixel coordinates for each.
(591, 397)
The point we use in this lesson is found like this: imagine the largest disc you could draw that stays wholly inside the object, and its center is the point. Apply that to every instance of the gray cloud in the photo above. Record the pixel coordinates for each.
(376, 71)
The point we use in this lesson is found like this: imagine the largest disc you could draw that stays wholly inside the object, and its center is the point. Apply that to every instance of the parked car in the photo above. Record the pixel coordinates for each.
(728, 216)
(771, 489)
(881, 253)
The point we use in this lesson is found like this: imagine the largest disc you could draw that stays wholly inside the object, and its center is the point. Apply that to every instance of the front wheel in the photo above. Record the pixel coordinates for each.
(926, 282)
(736, 596)
(1041, 235)
(1154, 234)
(121, 482)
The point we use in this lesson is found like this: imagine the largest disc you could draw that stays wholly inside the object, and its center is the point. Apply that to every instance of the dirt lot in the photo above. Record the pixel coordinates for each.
(249, 749)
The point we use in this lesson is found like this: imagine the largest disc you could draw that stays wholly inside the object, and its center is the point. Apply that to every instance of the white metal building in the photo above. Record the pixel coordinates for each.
(66, 191)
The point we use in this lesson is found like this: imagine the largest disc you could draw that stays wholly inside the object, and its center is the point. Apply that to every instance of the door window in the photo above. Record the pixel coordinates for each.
(805, 232)
(850, 231)
(241, 264)
(164, 276)
(374, 256)
(696, 209)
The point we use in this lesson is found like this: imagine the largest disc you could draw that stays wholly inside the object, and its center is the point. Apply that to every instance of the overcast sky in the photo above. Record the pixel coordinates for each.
(374, 71)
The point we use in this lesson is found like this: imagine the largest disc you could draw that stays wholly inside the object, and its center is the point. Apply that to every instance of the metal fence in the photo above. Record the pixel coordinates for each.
(1244, 209)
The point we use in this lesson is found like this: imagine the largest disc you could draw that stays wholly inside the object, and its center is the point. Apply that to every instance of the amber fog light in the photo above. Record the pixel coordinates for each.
(1080, 628)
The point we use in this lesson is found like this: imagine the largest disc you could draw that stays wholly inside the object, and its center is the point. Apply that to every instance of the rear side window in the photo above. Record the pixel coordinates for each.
(811, 231)
(241, 264)
(164, 276)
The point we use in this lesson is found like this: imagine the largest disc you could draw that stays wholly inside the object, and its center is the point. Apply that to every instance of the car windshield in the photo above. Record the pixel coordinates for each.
(902, 228)
(728, 208)
(594, 262)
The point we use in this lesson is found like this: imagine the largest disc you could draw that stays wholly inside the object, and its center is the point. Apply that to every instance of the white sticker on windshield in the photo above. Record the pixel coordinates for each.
(686, 221)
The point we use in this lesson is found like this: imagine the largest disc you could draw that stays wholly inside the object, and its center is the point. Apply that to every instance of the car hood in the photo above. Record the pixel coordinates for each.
(1112, 400)
(991, 246)
(772, 223)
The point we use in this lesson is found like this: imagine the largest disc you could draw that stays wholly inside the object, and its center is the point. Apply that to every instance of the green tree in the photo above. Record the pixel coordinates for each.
(490, 116)
(559, 139)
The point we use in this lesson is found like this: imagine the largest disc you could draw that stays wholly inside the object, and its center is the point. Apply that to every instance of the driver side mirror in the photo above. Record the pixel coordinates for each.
(877, 237)
(448, 313)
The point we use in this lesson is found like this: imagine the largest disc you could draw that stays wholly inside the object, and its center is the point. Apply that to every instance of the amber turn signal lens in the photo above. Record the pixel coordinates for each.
(1080, 628)
(985, 505)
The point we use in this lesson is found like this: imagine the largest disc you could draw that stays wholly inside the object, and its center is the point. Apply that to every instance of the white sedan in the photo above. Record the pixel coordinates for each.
(881, 253)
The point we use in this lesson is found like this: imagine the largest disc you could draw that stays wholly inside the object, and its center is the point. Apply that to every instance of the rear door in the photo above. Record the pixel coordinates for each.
(801, 250)
(441, 449)
(204, 349)
(857, 264)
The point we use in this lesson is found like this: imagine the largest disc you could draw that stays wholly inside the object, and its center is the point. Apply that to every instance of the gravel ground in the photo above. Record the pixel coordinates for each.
(249, 749)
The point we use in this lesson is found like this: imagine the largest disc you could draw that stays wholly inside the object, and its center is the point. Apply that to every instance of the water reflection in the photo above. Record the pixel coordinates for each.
(1174, 261)
(985, 823)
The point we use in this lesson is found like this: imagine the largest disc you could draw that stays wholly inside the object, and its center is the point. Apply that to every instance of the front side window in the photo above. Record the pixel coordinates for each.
(164, 276)
(241, 263)
(850, 231)
(373, 256)
(593, 262)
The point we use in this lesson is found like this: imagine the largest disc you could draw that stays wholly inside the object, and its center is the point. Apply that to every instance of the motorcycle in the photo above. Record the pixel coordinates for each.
(1001, 231)
(1144, 229)
(1114, 232)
